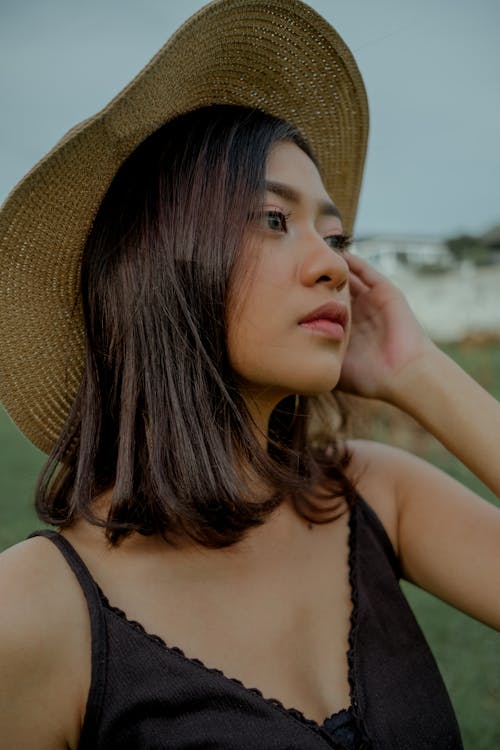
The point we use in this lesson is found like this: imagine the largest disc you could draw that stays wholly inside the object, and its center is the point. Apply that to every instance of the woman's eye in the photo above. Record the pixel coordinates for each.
(275, 220)
(339, 242)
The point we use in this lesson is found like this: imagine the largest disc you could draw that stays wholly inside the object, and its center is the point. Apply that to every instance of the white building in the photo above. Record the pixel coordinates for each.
(455, 301)
(392, 253)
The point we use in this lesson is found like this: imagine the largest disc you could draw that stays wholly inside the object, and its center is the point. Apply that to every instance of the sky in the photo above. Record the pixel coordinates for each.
(431, 69)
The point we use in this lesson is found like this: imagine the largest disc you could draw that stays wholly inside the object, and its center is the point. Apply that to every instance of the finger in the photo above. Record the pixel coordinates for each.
(356, 286)
(363, 270)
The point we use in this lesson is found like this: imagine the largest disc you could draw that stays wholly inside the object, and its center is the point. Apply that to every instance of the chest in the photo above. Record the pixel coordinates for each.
(142, 688)
(282, 628)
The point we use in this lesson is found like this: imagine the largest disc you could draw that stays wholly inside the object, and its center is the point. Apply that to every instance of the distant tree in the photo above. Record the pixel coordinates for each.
(491, 238)
(467, 247)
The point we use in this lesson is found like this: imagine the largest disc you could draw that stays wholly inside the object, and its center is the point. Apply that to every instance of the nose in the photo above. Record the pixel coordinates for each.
(323, 265)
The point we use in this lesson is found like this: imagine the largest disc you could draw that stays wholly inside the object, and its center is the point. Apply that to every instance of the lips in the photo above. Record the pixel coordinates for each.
(333, 312)
(328, 321)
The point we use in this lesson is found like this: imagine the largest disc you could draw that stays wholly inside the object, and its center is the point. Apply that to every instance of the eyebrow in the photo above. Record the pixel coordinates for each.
(326, 208)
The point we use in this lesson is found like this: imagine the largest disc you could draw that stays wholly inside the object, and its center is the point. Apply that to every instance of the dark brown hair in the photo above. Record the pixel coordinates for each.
(159, 416)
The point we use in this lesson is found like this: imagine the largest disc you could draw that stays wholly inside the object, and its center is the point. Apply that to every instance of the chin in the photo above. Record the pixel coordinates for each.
(317, 391)
(317, 386)
(277, 385)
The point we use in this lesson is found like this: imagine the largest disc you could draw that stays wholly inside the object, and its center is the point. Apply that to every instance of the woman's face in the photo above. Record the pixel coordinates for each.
(294, 266)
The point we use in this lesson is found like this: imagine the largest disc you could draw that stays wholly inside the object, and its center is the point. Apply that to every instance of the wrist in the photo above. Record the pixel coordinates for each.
(420, 378)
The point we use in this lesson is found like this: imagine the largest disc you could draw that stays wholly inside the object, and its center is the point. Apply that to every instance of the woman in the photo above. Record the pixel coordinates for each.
(218, 551)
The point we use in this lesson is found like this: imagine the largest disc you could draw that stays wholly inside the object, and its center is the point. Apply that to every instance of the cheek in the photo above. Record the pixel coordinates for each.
(246, 332)
(256, 324)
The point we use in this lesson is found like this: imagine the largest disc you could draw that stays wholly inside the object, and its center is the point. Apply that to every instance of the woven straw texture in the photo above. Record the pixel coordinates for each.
(275, 55)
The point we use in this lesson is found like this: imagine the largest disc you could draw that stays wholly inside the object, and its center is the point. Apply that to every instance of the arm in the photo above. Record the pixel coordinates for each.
(456, 410)
(42, 643)
(447, 537)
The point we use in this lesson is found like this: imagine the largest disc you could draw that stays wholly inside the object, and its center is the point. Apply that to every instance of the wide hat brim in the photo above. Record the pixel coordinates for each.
(276, 55)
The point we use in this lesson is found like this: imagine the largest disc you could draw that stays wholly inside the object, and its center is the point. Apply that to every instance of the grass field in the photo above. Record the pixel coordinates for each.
(468, 653)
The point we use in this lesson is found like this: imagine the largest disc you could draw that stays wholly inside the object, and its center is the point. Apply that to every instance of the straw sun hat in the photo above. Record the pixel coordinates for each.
(275, 55)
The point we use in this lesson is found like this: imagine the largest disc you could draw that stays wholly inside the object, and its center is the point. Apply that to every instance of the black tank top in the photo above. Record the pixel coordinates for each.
(145, 695)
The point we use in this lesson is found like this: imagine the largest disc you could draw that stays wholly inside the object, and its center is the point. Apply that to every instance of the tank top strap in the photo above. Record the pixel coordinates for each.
(98, 630)
(372, 520)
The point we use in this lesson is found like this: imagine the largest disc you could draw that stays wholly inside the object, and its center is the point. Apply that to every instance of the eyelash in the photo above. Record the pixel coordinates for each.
(275, 214)
(338, 242)
(342, 241)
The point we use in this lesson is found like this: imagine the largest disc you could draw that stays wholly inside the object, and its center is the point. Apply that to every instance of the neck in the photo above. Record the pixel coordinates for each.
(260, 405)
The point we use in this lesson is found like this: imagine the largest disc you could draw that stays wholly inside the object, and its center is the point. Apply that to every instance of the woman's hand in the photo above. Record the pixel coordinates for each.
(385, 336)
(389, 357)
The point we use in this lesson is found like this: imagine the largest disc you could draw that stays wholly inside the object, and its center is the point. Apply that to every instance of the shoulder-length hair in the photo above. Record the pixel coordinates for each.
(159, 417)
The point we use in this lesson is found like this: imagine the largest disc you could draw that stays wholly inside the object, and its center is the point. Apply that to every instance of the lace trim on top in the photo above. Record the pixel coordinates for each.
(361, 736)
(353, 620)
(352, 711)
(275, 702)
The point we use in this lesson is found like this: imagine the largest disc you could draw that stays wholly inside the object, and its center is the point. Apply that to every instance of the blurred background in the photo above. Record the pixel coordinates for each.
(429, 213)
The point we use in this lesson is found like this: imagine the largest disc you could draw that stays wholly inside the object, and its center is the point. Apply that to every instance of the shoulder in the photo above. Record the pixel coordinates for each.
(446, 536)
(44, 632)
(33, 575)
(392, 480)
(373, 469)
(30, 582)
